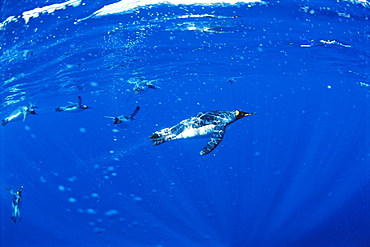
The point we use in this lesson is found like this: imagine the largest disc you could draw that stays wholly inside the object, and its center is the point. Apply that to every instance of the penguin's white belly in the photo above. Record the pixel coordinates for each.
(201, 131)
(18, 116)
(71, 109)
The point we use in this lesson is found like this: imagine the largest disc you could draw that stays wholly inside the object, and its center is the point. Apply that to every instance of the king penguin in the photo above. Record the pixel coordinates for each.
(74, 107)
(20, 114)
(212, 123)
(123, 118)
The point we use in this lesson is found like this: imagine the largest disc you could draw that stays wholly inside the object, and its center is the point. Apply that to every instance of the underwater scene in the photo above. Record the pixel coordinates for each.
(205, 123)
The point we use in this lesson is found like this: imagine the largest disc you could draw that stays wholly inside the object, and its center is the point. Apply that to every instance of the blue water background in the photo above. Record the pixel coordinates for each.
(295, 174)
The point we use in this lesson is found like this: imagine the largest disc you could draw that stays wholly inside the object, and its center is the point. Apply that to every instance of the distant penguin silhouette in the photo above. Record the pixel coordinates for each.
(212, 123)
(123, 118)
(16, 201)
(141, 85)
(73, 107)
(20, 114)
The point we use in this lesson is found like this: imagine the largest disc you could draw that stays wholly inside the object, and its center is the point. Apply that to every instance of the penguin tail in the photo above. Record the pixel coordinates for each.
(4, 122)
(58, 109)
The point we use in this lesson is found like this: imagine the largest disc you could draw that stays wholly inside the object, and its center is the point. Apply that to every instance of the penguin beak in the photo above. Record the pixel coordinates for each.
(241, 114)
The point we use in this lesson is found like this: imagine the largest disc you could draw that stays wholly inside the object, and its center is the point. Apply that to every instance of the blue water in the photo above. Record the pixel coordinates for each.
(295, 174)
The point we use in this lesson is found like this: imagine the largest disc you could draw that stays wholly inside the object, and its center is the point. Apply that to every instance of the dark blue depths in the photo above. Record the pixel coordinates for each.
(295, 174)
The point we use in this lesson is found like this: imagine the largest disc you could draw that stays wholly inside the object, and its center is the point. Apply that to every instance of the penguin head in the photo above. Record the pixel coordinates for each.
(84, 107)
(31, 106)
(241, 114)
(32, 111)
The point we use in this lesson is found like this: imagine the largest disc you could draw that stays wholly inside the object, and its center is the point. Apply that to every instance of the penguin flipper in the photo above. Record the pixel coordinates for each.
(109, 117)
(79, 101)
(216, 138)
(135, 112)
(24, 115)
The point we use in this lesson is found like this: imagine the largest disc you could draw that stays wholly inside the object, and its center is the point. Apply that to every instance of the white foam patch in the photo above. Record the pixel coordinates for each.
(34, 13)
(27, 15)
(334, 42)
(364, 3)
(7, 20)
(126, 6)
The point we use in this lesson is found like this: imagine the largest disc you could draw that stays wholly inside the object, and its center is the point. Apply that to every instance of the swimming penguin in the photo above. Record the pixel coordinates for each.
(19, 114)
(73, 107)
(16, 201)
(123, 118)
(212, 123)
(141, 85)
